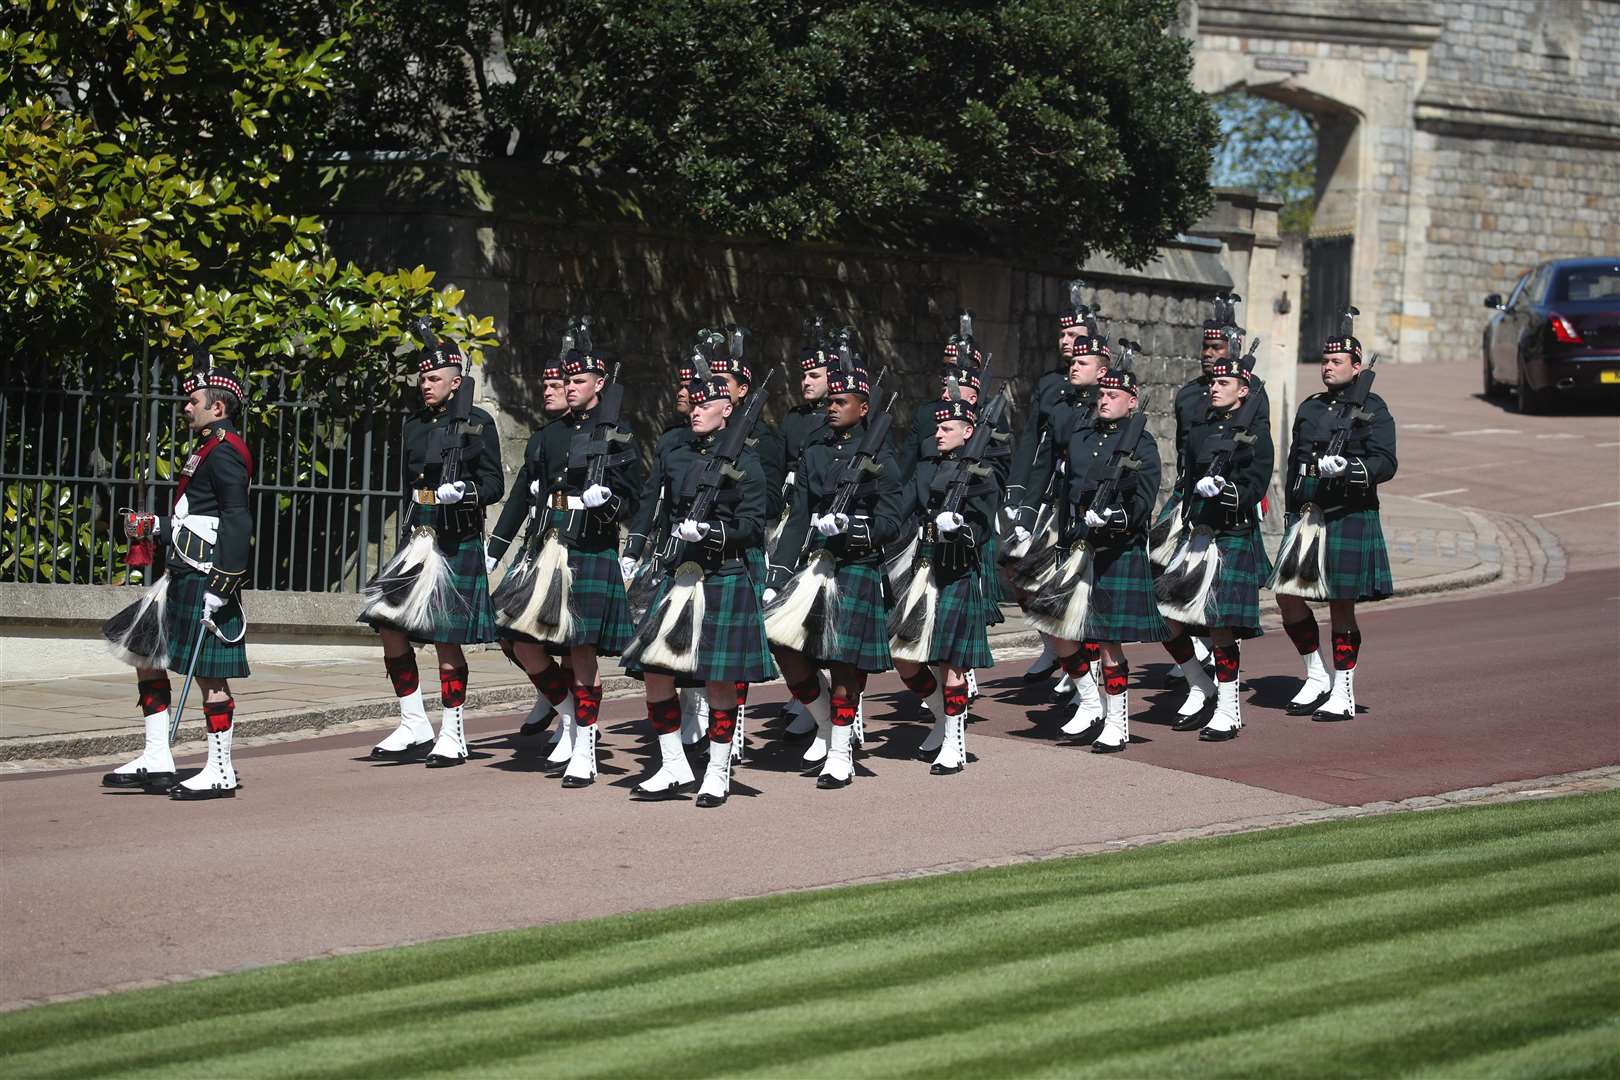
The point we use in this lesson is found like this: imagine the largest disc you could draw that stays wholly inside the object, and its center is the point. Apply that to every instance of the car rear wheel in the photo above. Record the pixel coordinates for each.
(1532, 401)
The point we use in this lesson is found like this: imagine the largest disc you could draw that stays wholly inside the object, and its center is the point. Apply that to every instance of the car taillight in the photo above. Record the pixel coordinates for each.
(1564, 330)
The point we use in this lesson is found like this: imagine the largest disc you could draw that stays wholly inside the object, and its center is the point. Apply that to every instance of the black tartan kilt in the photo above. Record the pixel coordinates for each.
(959, 621)
(990, 582)
(1171, 502)
(1243, 571)
(1357, 559)
(471, 619)
(182, 614)
(1123, 607)
(596, 602)
(732, 646)
(862, 619)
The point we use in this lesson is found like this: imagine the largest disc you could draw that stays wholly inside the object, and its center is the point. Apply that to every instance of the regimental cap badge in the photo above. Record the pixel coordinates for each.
(726, 350)
(578, 352)
(205, 375)
(957, 409)
(435, 353)
(1345, 340)
(849, 376)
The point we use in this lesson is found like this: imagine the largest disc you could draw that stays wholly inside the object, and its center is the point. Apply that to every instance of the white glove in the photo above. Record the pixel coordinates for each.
(490, 563)
(627, 568)
(1330, 465)
(1095, 520)
(596, 495)
(1021, 534)
(1011, 512)
(831, 524)
(534, 488)
(692, 531)
(948, 522)
(450, 494)
(1210, 486)
(768, 595)
(212, 602)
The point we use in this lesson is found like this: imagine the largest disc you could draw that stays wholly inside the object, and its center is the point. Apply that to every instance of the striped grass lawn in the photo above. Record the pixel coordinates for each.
(1471, 942)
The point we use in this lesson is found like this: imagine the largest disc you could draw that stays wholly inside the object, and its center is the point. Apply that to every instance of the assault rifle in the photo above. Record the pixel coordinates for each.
(595, 450)
(722, 462)
(956, 477)
(447, 439)
(1123, 458)
(1351, 410)
(1241, 428)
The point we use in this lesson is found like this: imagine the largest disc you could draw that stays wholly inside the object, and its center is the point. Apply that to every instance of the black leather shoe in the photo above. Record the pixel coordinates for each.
(827, 782)
(1321, 716)
(709, 802)
(412, 751)
(673, 791)
(1217, 735)
(440, 761)
(180, 793)
(1041, 675)
(944, 770)
(1189, 723)
(1108, 748)
(534, 728)
(1309, 707)
(578, 781)
(140, 779)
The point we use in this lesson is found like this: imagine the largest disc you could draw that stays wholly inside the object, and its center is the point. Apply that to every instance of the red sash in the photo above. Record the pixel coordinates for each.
(198, 456)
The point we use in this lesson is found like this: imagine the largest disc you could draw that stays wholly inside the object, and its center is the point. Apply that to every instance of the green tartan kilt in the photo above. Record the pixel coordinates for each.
(1169, 508)
(182, 613)
(731, 645)
(754, 563)
(959, 621)
(1357, 560)
(1243, 571)
(862, 619)
(471, 619)
(1123, 607)
(596, 603)
(990, 583)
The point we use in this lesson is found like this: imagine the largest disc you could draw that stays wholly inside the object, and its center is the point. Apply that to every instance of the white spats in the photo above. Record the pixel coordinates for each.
(1063, 687)
(451, 746)
(717, 777)
(972, 685)
(581, 769)
(739, 737)
(935, 704)
(1116, 732)
(1228, 716)
(217, 777)
(567, 733)
(820, 711)
(839, 768)
(155, 755)
(674, 771)
(1200, 688)
(1317, 682)
(694, 714)
(1341, 703)
(1087, 701)
(953, 748)
(413, 730)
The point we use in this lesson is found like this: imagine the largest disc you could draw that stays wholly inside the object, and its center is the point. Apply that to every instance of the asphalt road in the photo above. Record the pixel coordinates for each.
(325, 851)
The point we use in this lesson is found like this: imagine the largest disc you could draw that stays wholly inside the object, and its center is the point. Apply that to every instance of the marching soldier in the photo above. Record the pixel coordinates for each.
(831, 614)
(939, 626)
(1073, 409)
(1212, 586)
(191, 619)
(704, 623)
(436, 588)
(1023, 498)
(1108, 501)
(553, 404)
(1342, 448)
(567, 596)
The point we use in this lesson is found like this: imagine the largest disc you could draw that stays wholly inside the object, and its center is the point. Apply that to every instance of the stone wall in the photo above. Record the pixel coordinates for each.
(649, 292)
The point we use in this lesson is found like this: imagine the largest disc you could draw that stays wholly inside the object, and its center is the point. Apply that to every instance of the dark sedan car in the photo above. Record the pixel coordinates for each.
(1558, 334)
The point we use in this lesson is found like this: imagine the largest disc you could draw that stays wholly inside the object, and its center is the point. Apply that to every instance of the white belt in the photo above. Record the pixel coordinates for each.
(204, 525)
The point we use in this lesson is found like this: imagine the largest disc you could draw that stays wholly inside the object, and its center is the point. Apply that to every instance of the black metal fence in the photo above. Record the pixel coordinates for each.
(325, 494)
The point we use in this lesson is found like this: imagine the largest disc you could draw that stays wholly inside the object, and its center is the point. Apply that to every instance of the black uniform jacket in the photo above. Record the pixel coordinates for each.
(219, 488)
(423, 467)
(957, 551)
(875, 511)
(1192, 404)
(1047, 390)
(921, 444)
(802, 425)
(547, 459)
(1090, 453)
(1369, 449)
(771, 449)
(1247, 472)
(736, 520)
(1073, 407)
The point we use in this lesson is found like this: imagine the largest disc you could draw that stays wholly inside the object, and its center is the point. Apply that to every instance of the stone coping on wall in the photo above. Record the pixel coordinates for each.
(270, 612)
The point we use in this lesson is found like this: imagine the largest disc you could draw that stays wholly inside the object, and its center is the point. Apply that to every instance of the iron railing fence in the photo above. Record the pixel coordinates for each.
(325, 494)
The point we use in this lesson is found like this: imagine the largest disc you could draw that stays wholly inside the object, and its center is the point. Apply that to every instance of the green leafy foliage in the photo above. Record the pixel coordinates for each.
(1041, 126)
(1271, 146)
(150, 158)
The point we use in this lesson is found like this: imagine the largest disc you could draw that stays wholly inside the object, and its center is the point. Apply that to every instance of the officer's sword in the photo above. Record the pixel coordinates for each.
(185, 687)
